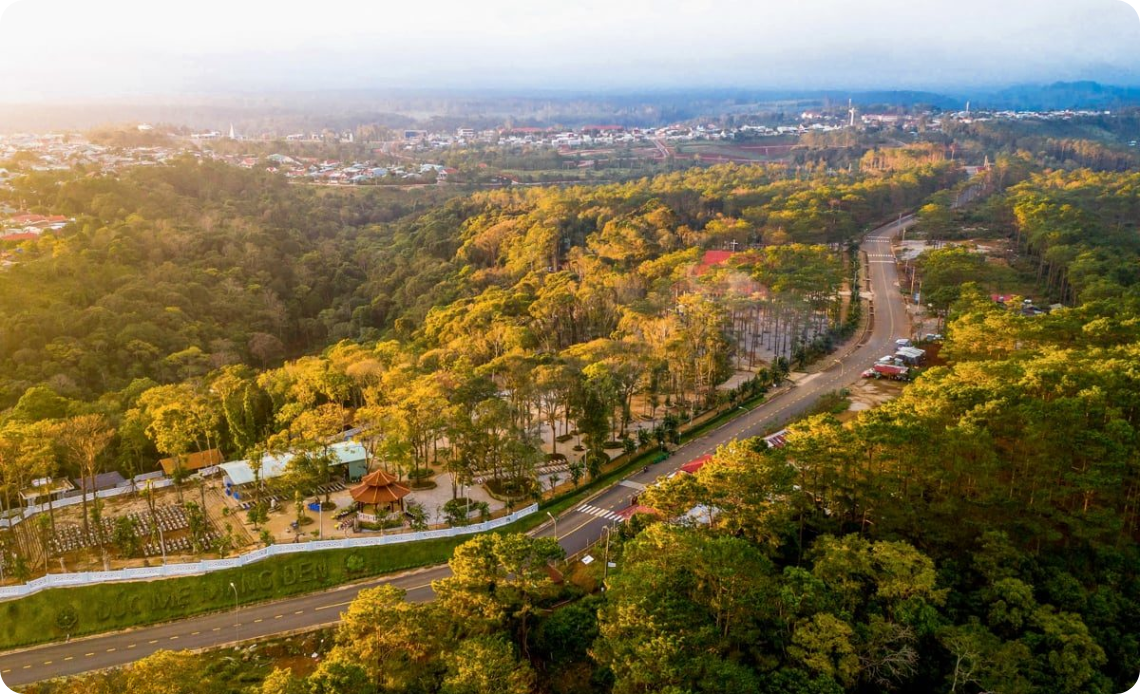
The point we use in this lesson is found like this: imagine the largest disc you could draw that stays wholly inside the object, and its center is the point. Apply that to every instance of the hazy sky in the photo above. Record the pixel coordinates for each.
(63, 49)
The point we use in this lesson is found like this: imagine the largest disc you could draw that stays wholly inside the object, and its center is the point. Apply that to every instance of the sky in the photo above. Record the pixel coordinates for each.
(90, 49)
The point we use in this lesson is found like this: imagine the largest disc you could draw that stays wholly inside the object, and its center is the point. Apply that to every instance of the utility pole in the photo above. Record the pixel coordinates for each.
(555, 521)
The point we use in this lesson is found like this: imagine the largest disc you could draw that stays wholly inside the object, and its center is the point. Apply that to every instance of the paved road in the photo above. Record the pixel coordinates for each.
(577, 528)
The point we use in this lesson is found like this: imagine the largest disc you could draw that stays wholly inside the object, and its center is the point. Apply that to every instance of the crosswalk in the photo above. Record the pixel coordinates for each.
(633, 485)
(599, 512)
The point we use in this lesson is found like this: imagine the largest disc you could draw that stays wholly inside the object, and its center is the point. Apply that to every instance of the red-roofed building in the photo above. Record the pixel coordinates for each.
(738, 283)
(626, 513)
(1002, 298)
(692, 466)
(712, 258)
(20, 236)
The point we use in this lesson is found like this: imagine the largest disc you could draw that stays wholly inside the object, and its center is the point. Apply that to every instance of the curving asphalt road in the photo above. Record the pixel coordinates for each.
(577, 529)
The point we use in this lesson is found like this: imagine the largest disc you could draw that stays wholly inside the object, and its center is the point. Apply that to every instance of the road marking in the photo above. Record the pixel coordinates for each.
(173, 638)
(88, 655)
(131, 646)
(47, 662)
(599, 512)
(258, 621)
(576, 529)
(5, 672)
(195, 633)
(26, 667)
(632, 485)
(216, 629)
(153, 641)
(329, 607)
(70, 657)
(299, 612)
(111, 650)
(278, 616)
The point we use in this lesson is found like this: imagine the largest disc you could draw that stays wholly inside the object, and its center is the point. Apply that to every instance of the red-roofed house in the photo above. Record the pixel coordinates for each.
(692, 466)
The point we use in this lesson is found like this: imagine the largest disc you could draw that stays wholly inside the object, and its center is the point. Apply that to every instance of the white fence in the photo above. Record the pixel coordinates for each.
(210, 565)
(30, 511)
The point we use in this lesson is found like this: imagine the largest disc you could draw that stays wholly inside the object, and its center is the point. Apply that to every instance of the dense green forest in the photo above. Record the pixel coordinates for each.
(174, 282)
(977, 534)
(172, 271)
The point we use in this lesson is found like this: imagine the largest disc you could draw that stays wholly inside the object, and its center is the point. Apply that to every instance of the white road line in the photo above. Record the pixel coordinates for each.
(599, 512)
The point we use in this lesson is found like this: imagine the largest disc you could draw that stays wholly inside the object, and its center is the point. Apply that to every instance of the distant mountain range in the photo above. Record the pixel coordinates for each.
(284, 113)
(1025, 97)
(1062, 95)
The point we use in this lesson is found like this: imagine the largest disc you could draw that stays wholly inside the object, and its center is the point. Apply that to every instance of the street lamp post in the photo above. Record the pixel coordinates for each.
(555, 521)
(237, 635)
(320, 520)
(606, 568)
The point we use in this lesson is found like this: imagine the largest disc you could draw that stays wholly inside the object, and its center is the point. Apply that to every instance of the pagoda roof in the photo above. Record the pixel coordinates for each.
(378, 487)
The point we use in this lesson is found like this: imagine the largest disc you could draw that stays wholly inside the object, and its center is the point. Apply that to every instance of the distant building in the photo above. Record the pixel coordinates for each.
(193, 462)
(102, 482)
(348, 454)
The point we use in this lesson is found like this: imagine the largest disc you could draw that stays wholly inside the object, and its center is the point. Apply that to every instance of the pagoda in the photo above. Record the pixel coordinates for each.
(380, 490)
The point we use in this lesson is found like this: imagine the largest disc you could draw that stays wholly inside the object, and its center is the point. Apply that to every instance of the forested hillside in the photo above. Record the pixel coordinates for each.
(184, 276)
(172, 271)
(975, 535)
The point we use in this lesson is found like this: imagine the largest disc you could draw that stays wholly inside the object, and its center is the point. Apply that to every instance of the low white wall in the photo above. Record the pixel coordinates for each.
(31, 511)
(210, 565)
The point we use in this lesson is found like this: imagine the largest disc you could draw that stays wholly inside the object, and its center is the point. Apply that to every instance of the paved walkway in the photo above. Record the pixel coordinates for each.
(434, 499)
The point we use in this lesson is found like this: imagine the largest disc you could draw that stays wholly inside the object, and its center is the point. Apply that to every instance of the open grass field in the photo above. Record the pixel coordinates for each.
(722, 152)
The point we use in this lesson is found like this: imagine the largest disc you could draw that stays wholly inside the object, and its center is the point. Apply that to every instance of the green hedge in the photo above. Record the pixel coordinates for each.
(53, 614)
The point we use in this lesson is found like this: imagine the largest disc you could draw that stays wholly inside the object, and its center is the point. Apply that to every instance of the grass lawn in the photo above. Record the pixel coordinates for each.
(53, 614)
